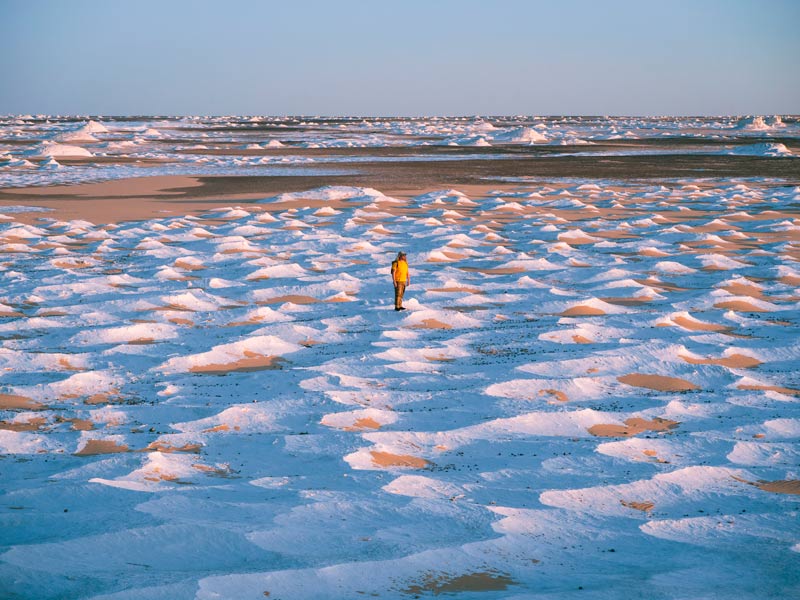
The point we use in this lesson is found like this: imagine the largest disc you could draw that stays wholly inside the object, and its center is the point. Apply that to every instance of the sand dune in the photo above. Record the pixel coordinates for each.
(387, 459)
(633, 426)
(659, 383)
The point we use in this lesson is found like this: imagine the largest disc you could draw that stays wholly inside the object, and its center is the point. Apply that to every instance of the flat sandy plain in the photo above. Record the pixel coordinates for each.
(205, 392)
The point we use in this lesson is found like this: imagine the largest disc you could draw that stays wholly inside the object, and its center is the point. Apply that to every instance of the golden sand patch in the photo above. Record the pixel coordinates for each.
(221, 427)
(448, 257)
(781, 486)
(740, 306)
(577, 263)
(183, 278)
(79, 424)
(68, 366)
(579, 339)
(653, 253)
(169, 448)
(557, 394)
(252, 361)
(34, 424)
(615, 234)
(654, 455)
(108, 397)
(7, 250)
(642, 506)
(575, 240)
(790, 279)
(430, 324)
(437, 357)
(72, 264)
(169, 308)
(743, 289)
(363, 423)
(633, 426)
(255, 320)
(716, 267)
(445, 583)
(157, 476)
(387, 459)
(94, 447)
(695, 325)
(181, 321)
(734, 361)
(16, 402)
(223, 471)
(293, 298)
(188, 266)
(582, 310)
(659, 383)
(756, 387)
(788, 486)
(250, 251)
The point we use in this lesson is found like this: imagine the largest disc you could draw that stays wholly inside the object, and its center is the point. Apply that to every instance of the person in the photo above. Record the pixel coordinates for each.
(400, 279)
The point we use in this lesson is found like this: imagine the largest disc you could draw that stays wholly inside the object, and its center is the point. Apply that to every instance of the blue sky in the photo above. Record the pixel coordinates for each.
(400, 58)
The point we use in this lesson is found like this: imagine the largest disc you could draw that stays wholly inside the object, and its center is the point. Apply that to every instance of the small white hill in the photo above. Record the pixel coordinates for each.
(60, 150)
(521, 135)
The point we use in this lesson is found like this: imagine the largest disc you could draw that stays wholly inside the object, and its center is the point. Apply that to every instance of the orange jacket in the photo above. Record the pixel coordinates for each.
(400, 271)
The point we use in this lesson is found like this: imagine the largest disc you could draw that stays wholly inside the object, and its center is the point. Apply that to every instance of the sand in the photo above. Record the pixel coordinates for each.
(642, 506)
(78, 424)
(364, 423)
(387, 459)
(94, 447)
(784, 486)
(791, 486)
(658, 383)
(16, 402)
(583, 311)
(770, 388)
(448, 584)
(33, 424)
(252, 361)
(159, 446)
(734, 361)
(633, 426)
(695, 325)
(740, 306)
(430, 324)
(556, 394)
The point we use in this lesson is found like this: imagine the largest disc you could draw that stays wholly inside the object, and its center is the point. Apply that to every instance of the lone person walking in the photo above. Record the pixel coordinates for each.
(400, 279)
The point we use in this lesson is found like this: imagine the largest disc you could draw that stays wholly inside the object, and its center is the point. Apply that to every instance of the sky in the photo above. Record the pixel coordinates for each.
(409, 57)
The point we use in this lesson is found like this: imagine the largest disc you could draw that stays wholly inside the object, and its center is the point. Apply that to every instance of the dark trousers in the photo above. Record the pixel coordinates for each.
(399, 290)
